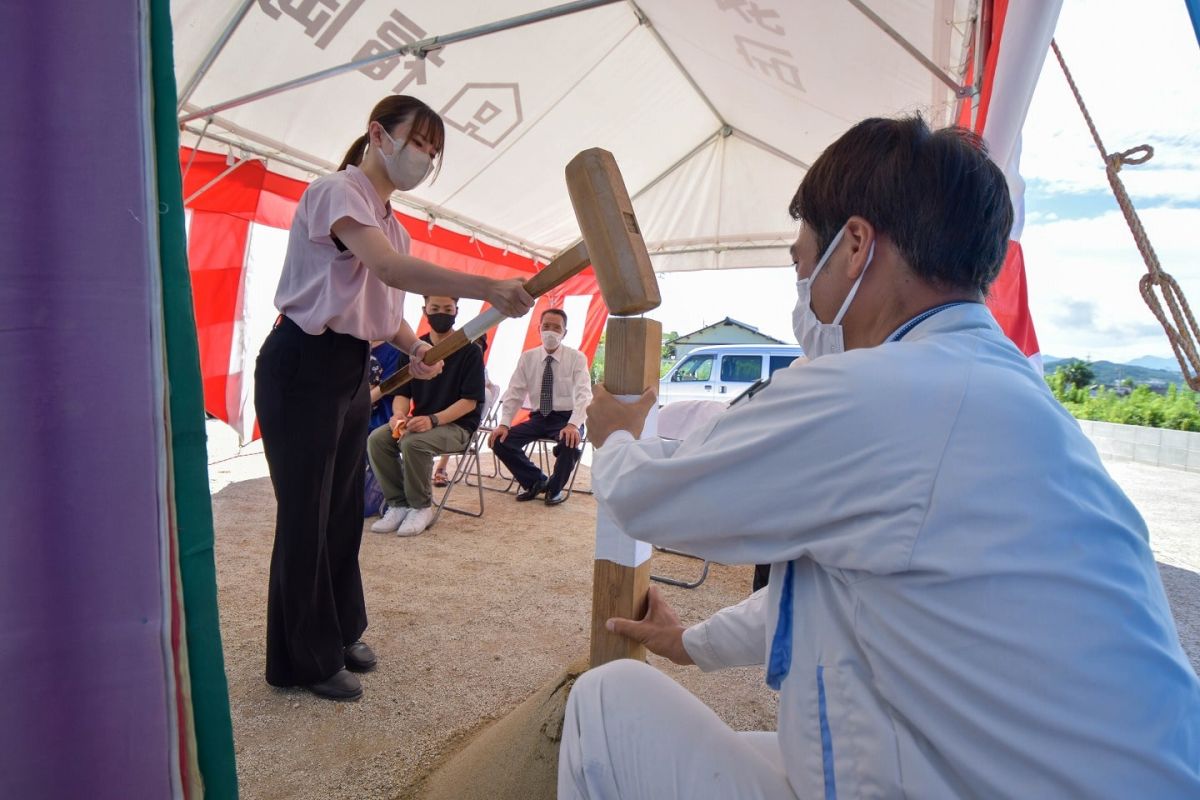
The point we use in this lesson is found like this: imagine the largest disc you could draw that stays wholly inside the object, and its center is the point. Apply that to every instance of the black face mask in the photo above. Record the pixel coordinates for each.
(441, 323)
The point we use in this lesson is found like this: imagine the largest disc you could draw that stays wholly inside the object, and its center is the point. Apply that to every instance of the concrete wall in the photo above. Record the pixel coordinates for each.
(1157, 446)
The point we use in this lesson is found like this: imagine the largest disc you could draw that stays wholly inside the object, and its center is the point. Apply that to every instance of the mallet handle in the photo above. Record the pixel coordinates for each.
(565, 265)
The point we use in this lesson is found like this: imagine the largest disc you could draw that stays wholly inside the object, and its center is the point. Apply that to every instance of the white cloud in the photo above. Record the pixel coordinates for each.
(1083, 282)
(1136, 69)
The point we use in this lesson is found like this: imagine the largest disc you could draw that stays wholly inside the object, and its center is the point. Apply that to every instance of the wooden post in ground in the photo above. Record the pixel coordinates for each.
(632, 353)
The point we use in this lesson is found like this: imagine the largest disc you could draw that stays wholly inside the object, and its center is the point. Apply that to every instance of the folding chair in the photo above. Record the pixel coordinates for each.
(676, 582)
(486, 427)
(543, 448)
(467, 457)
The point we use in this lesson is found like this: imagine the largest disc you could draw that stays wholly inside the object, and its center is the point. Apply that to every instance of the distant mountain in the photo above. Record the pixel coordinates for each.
(1111, 374)
(1155, 362)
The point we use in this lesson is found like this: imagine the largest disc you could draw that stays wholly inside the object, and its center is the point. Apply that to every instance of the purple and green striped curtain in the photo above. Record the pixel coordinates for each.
(110, 652)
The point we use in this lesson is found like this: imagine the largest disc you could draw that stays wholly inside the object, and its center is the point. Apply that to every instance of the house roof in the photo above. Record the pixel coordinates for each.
(727, 321)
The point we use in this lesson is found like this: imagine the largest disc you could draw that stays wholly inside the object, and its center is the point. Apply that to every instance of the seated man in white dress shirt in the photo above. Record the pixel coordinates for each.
(556, 380)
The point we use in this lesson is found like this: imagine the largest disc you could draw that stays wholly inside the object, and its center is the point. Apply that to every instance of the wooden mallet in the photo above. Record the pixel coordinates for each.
(517, 756)
(612, 243)
(632, 353)
(566, 264)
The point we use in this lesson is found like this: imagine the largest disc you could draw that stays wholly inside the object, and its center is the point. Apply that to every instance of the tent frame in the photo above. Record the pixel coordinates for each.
(315, 166)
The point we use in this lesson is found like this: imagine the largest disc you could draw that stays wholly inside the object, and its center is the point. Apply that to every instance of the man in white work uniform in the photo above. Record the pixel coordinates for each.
(962, 602)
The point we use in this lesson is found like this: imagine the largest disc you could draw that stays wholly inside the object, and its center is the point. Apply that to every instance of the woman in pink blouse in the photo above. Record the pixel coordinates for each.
(343, 284)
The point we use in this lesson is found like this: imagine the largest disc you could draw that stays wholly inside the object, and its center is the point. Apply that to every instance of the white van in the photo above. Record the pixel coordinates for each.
(722, 372)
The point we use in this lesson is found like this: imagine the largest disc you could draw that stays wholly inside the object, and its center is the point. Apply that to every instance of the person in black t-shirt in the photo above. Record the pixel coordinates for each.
(490, 390)
(428, 418)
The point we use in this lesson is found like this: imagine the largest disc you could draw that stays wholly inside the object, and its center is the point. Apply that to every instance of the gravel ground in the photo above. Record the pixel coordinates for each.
(474, 616)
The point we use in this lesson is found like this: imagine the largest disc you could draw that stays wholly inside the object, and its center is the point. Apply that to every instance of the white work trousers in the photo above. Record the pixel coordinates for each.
(632, 733)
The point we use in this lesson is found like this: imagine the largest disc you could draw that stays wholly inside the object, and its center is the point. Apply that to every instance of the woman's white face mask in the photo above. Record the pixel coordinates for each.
(816, 337)
(407, 166)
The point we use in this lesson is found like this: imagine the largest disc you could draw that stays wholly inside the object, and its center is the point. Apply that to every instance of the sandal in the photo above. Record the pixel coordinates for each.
(440, 478)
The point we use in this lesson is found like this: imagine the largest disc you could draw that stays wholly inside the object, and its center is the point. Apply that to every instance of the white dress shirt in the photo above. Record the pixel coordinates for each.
(976, 611)
(572, 383)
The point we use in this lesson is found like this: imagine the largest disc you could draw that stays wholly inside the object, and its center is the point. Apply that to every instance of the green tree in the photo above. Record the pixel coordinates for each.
(1077, 373)
(1178, 409)
(598, 362)
(668, 350)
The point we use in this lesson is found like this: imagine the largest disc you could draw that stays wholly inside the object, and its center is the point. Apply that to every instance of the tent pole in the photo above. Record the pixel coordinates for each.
(772, 149)
(969, 63)
(265, 151)
(196, 147)
(215, 180)
(213, 52)
(938, 72)
(528, 249)
(310, 162)
(645, 20)
(983, 44)
(662, 175)
(419, 49)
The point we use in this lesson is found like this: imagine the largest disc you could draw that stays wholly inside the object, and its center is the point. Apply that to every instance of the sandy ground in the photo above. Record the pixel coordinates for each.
(474, 616)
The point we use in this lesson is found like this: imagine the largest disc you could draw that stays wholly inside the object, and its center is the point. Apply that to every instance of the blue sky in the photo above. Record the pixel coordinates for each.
(1138, 72)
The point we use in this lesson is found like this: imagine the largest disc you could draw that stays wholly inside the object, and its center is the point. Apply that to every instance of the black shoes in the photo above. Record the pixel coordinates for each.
(553, 498)
(532, 491)
(340, 686)
(359, 657)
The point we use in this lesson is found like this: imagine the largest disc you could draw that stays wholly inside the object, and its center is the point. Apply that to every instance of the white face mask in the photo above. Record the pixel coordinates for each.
(551, 340)
(407, 166)
(816, 337)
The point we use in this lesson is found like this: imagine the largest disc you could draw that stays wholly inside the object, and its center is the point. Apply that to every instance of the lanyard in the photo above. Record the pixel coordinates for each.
(780, 660)
(919, 318)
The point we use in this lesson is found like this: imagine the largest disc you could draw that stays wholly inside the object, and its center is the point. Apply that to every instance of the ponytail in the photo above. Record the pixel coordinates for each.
(355, 154)
(390, 112)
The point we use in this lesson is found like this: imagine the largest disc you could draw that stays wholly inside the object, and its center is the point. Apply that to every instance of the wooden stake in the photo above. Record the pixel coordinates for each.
(632, 353)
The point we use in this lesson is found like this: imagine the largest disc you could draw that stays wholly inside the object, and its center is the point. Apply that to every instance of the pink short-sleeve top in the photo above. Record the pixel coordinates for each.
(323, 285)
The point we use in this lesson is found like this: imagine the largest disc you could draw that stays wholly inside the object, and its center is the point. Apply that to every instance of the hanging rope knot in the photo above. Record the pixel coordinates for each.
(1117, 160)
(1180, 325)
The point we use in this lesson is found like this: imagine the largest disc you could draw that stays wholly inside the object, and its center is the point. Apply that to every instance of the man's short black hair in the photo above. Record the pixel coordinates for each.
(558, 311)
(935, 194)
(427, 296)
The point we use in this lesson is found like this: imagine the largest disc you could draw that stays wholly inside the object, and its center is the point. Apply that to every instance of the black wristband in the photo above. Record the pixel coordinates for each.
(433, 420)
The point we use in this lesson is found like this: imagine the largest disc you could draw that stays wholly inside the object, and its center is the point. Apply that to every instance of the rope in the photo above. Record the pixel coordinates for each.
(1181, 328)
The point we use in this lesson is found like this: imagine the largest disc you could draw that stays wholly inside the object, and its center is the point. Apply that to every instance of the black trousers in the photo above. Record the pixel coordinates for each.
(313, 405)
(512, 454)
(762, 575)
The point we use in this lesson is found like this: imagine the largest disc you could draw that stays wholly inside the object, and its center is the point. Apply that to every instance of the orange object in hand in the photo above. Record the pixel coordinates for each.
(398, 426)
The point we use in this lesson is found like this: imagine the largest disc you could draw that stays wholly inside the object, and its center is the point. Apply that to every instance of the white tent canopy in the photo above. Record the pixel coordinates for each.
(713, 108)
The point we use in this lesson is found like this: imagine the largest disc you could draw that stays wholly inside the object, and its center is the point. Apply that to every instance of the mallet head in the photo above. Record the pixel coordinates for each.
(611, 232)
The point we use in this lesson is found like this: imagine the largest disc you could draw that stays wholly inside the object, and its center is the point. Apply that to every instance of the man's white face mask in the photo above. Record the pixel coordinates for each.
(407, 166)
(551, 340)
(816, 337)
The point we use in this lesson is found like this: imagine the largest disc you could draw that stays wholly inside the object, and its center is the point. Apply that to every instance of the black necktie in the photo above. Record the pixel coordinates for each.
(546, 402)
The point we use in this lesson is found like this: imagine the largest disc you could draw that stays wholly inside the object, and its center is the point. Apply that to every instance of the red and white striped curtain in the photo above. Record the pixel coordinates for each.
(1015, 38)
(237, 235)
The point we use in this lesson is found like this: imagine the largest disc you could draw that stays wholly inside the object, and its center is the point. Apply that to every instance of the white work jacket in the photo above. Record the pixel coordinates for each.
(976, 611)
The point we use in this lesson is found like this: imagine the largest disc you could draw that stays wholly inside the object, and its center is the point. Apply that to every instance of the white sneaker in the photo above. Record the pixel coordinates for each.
(416, 522)
(391, 519)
